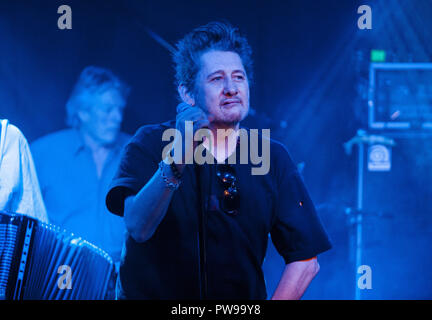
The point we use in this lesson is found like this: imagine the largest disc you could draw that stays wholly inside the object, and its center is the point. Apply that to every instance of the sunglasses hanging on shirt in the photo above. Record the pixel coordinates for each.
(229, 201)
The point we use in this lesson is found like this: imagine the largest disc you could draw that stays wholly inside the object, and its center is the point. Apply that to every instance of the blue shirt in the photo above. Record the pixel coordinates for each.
(73, 193)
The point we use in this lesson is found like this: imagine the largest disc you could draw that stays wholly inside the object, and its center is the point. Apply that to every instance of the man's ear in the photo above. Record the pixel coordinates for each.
(185, 95)
(83, 115)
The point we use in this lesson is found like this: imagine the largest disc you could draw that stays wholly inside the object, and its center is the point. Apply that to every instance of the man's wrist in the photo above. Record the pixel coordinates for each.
(168, 176)
(175, 166)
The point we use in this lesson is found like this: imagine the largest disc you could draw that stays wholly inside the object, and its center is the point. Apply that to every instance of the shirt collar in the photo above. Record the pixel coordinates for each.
(233, 141)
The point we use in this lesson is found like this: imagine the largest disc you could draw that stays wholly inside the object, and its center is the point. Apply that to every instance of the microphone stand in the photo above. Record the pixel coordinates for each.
(202, 266)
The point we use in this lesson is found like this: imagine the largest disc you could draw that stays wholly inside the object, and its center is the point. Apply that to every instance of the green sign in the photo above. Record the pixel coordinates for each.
(378, 55)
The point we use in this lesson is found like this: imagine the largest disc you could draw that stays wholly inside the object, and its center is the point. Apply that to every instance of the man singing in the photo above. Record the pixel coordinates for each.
(201, 231)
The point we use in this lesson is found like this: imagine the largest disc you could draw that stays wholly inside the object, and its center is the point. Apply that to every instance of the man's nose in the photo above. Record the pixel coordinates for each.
(230, 87)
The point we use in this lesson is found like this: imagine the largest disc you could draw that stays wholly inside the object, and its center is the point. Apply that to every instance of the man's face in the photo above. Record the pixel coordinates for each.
(222, 87)
(103, 119)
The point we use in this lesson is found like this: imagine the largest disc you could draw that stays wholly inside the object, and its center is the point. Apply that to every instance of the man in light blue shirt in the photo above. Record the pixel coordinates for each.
(75, 166)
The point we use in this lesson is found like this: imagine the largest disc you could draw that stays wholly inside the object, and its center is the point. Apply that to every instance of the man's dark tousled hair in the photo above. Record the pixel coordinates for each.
(212, 36)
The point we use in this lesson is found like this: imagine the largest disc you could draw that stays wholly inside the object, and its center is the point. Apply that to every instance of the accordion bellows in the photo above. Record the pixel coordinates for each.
(43, 262)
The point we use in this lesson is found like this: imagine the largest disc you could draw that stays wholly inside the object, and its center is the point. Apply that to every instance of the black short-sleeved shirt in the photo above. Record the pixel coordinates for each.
(167, 265)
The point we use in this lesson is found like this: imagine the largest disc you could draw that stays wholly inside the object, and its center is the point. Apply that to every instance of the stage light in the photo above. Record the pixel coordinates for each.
(378, 55)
